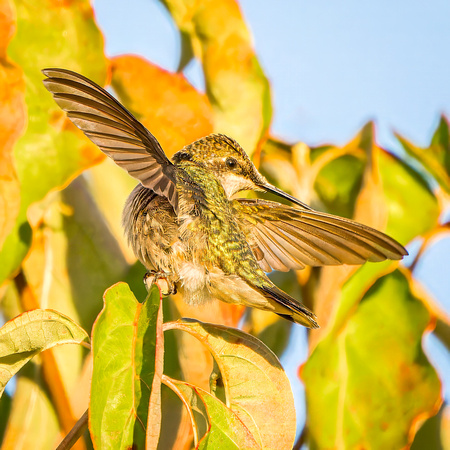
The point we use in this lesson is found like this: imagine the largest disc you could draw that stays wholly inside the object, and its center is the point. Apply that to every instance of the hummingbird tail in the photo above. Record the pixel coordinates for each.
(289, 308)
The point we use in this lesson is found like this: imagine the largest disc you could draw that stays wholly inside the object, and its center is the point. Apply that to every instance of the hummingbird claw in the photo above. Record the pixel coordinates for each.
(161, 279)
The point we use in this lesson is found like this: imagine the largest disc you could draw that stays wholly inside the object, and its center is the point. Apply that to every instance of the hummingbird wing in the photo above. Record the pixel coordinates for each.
(284, 238)
(114, 129)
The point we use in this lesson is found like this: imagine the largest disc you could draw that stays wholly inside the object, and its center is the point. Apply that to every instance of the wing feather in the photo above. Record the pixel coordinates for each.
(284, 238)
(114, 130)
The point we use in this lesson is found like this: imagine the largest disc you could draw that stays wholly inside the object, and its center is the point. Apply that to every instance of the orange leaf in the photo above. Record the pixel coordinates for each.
(12, 120)
(173, 110)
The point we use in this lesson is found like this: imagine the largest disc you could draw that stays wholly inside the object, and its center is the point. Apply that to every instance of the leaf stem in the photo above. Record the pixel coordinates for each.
(154, 409)
(169, 383)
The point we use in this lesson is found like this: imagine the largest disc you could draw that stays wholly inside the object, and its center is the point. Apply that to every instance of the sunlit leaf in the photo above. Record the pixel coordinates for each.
(368, 382)
(72, 260)
(436, 157)
(391, 195)
(74, 257)
(31, 333)
(52, 151)
(124, 345)
(256, 388)
(225, 430)
(110, 186)
(174, 111)
(339, 171)
(289, 167)
(235, 83)
(41, 428)
(12, 121)
(409, 199)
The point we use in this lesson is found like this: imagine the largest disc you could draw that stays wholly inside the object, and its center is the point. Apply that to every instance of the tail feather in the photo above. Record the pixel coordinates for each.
(288, 307)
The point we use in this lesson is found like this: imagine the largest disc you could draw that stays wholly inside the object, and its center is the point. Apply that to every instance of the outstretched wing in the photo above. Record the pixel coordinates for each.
(114, 129)
(284, 238)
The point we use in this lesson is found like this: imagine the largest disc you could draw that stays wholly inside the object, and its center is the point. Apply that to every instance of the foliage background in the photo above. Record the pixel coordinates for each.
(77, 245)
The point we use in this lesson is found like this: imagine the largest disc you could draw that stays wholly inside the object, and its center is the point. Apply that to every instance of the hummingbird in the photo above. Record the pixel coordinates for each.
(188, 229)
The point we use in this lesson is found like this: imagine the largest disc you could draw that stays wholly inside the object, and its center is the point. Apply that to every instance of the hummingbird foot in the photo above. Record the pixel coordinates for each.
(161, 279)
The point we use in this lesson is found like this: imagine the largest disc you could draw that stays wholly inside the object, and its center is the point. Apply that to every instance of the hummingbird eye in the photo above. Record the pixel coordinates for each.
(231, 163)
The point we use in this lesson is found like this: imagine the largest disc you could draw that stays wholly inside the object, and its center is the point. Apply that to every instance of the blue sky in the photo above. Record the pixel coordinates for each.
(333, 66)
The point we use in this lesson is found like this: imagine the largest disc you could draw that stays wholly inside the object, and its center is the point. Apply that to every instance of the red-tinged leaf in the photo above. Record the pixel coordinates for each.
(235, 83)
(174, 111)
(124, 343)
(256, 388)
(51, 152)
(12, 121)
(31, 333)
(225, 429)
(369, 382)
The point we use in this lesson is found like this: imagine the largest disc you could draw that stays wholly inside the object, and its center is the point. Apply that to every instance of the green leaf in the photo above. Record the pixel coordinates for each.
(409, 199)
(256, 388)
(5, 409)
(436, 157)
(369, 380)
(31, 333)
(222, 42)
(340, 171)
(124, 344)
(51, 152)
(225, 429)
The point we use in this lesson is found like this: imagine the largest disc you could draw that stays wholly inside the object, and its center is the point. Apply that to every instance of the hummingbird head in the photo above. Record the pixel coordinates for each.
(229, 163)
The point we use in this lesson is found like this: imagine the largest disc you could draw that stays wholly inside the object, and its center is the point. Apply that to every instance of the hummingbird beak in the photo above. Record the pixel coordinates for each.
(270, 188)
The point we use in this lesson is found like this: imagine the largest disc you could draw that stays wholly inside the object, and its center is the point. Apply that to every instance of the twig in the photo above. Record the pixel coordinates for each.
(75, 433)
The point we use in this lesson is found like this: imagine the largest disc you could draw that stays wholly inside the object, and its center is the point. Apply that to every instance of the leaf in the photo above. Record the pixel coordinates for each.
(436, 157)
(225, 430)
(401, 195)
(5, 409)
(124, 344)
(359, 394)
(33, 423)
(256, 388)
(173, 110)
(430, 434)
(235, 82)
(110, 187)
(409, 199)
(31, 333)
(12, 122)
(52, 151)
(73, 256)
(339, 171)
